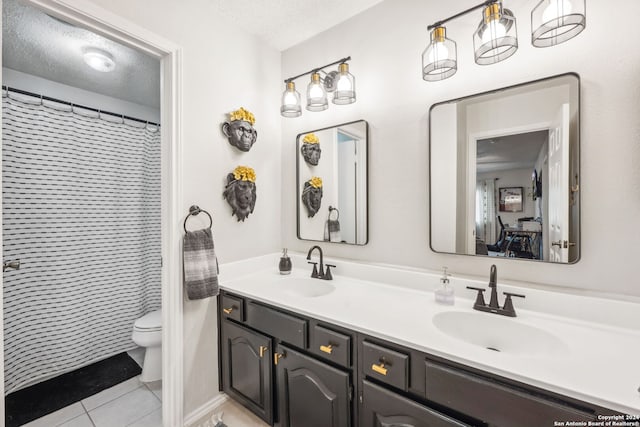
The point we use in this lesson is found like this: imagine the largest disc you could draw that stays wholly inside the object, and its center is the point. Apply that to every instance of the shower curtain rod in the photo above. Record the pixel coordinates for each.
(59, 101)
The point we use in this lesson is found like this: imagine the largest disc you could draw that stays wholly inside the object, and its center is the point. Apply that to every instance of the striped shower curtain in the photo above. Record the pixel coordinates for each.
(81, 211)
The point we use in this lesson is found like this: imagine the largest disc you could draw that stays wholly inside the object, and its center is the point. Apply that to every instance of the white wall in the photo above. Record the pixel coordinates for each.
(222, 70)
(23, 81)
(386, 43)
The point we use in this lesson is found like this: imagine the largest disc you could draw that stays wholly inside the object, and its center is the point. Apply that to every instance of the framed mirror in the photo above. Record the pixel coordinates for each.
(332, 184)
(504, 172)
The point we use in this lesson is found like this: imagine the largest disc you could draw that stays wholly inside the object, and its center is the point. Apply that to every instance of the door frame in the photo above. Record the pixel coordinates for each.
(472, 144)
(106, 23)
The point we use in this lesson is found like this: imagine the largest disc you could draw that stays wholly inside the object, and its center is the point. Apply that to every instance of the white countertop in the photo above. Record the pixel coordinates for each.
(598, 362)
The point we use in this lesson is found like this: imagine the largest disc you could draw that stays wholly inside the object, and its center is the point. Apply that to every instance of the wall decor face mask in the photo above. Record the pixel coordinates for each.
(240, 191)
(239, 129)
(312, 195)
(310, 149)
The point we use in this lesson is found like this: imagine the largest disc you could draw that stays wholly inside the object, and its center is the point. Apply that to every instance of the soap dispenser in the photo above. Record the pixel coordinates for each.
(444, 294)
(285, 263)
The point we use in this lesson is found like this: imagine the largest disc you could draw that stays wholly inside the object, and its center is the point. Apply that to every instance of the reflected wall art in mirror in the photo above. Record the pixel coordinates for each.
(504, 172)
(332, 185)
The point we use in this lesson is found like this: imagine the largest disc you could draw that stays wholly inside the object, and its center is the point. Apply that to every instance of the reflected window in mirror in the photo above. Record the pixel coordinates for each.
(504, 172)
(332, 184)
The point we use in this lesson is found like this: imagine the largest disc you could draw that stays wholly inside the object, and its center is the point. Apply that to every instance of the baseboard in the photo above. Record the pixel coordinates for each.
(198, 414)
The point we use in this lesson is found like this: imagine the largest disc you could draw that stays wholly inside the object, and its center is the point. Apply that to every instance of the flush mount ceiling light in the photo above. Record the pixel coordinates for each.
(556, 21)
(339, 82)
(496, 38)
(99, 59)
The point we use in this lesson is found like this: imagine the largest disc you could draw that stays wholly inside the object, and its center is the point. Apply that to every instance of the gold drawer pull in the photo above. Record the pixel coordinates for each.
(228, 310)
(277, 357)
(326, 348)
(379, 368)
(262, 350)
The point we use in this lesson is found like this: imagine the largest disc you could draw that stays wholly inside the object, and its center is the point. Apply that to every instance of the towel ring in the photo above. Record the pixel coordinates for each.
(193, 211)
(331, 209)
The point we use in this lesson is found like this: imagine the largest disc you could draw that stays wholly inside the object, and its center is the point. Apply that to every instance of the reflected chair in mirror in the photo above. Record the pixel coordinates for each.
(503, 242)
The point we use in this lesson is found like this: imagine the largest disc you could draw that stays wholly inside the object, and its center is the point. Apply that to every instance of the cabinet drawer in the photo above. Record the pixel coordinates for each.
(283, 326)
(232, 307)
(385, 365)
(493, 402)
(381, 407)
(331, 345)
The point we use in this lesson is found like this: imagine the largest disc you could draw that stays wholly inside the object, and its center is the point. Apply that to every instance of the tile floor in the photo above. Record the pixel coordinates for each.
(136, 404)
(130, 403)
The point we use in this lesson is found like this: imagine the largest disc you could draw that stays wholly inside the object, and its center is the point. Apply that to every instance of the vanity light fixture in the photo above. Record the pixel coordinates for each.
(339, 82)
(98, 59)
(496, 38)
(439, 59)
(556, 21)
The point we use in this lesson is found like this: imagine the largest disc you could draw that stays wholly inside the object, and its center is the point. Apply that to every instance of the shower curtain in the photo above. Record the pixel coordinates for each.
(81, 211)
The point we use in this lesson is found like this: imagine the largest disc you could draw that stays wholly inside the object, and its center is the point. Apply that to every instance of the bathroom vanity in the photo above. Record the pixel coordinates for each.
(295, 346)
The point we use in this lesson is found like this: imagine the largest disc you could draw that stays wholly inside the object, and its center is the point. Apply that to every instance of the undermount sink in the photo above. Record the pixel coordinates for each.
(305, 286)
(498, 333)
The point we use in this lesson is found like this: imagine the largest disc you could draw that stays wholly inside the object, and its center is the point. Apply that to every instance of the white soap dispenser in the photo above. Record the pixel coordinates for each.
(444, 294)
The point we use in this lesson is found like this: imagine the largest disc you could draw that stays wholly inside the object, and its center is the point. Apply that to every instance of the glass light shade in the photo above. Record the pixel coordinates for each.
(556, 21)
(345, 92)
(316, 95)
(439, 59)
(99, 59)
(290, 106)
(496, 38)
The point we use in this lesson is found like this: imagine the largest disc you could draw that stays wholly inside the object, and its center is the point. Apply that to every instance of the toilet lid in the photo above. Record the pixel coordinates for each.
(150, 321)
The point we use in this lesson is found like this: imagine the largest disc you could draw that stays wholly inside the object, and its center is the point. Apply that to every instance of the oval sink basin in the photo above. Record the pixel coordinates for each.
(498, 333)
(305, 287)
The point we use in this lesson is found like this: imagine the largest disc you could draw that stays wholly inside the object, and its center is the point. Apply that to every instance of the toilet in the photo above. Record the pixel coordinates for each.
(147, 333)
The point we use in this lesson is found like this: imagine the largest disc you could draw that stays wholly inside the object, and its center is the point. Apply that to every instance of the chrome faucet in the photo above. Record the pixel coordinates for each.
(494, 306)
(319, 273)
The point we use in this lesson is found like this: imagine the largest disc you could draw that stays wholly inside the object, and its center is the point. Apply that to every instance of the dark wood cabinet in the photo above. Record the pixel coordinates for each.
(295, 371)
(383, 408)
(310, 392)
(247, 369)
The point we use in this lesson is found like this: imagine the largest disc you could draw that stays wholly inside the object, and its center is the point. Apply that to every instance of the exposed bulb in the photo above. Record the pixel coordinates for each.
(438, 52)
(315, 91)
(495, 30)
(343, 83)
(290, 98)
(556, 9)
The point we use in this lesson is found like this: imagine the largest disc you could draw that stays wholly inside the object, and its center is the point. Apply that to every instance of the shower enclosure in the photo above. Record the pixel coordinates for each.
(81, 213)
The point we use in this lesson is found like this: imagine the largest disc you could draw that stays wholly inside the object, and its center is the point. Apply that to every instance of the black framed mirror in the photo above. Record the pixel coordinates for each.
(504, 172)
(332, 184)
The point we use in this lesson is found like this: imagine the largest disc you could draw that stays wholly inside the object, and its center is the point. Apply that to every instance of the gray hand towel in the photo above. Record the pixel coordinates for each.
(200, 264)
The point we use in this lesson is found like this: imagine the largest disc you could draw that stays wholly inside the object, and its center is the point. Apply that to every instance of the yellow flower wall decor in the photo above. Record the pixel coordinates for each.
(240, 191)
(316, 182)
(244, 173)
(311, 138)
(242, 114)
(239, 129)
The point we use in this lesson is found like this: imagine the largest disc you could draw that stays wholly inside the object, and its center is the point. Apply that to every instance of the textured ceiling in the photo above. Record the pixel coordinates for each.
(35, 43)
(285, 23)
(510, 152)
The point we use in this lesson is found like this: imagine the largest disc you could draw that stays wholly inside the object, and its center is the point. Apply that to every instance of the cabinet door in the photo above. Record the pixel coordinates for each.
(246, 368)
(311, 393)
(384, 408)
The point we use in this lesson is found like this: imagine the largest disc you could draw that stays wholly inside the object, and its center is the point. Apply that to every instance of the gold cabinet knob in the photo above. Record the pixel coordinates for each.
(228, 310)
(379, 368)
(263, 349)
(326, 348)
(277, 357)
